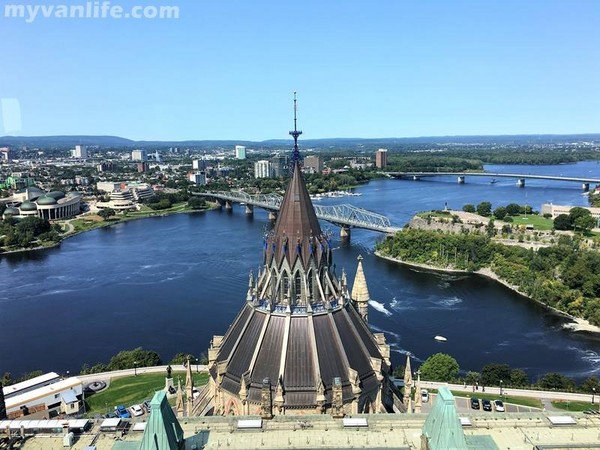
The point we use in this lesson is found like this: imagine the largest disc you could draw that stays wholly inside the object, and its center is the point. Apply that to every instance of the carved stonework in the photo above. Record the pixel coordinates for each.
(337, 398)
(321, 399)
(279, 396)
(266, 404)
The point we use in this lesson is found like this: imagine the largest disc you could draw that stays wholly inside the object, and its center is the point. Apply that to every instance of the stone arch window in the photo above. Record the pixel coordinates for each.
(298, 287)
(285, 284)
(309, 285)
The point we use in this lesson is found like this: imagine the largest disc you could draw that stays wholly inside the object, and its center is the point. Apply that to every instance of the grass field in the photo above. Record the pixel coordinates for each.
(574, 406)
(134, 389)
(538, 222)
(521, 401)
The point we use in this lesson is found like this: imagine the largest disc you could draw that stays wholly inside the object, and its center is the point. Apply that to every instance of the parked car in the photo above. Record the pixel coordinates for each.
(147, 405)
(486, 405)
(122, 412)
(110, 415)
(475, 403)
(498, 405)
(137, 410)
(424, 395)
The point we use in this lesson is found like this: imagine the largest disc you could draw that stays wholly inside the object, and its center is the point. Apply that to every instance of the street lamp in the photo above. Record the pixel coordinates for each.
(135, 363)
(197, 366)
(500, 388)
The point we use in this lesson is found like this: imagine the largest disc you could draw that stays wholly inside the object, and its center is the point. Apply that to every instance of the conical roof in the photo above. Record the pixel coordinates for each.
(297, 233)
(360, 291)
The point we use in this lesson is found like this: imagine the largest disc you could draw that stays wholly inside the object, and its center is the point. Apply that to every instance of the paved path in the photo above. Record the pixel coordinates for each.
(548, 395)
(107, 376)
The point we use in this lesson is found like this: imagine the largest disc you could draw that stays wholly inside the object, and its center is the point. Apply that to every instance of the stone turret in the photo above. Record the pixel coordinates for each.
(189, 387)
(360, 292)
(408, 382)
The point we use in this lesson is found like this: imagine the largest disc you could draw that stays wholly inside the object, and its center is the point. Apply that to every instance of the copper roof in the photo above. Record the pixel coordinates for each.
(297, 232)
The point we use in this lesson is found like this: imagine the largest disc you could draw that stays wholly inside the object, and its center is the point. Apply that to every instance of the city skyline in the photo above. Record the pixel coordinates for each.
(226, 70)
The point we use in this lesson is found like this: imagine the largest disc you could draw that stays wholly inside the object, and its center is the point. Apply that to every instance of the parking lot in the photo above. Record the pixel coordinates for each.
(463, 405)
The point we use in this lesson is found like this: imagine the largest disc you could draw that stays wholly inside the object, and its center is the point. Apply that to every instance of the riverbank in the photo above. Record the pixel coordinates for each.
(103, 224)
(577, 324)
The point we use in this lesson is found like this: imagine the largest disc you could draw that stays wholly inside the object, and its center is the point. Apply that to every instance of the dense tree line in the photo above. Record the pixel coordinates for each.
(444, 368)
(24, 233)
(431, 163)
(565, 276)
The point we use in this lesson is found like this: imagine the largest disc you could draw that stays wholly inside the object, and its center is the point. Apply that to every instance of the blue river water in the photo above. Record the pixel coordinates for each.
(170, 283)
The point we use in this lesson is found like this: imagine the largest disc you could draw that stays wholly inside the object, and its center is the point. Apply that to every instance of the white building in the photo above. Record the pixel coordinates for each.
(123, 195)
(139, 155)
(196, 164)
(262, 169)
(47, 392)
(557, 210)
(240, 152)
(79, 152)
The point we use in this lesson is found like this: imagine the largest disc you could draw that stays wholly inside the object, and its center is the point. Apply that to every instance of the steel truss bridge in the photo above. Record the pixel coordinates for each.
(344, 216)
(585, 182)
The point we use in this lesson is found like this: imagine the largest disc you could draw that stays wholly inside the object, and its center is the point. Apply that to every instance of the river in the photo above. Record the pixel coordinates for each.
(170, 283)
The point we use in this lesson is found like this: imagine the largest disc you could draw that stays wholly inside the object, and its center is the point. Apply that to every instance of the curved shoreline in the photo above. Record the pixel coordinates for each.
(577, 324)
(104, 225)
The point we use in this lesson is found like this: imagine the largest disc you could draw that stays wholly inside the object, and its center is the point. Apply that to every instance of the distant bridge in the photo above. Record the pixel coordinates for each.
(585, 182)
(344, 216)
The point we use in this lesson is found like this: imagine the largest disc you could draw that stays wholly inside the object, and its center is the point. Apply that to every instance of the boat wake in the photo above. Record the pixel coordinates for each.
(379, 307)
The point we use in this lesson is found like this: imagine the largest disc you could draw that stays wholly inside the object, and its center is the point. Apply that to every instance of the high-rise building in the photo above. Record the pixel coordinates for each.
(80, 152)
(314, 163)
(301, 343)
(280, 165)
(5, 154)
(139, 155)
(262, 169)
(142, 167)
(240, 152)
(198, 178)
(381, 158)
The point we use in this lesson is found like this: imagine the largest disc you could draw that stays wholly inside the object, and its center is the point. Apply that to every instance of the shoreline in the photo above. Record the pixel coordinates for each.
(577, 324)
(104, 225)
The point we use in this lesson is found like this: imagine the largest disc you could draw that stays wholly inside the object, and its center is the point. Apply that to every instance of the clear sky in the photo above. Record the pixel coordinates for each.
(226, 69)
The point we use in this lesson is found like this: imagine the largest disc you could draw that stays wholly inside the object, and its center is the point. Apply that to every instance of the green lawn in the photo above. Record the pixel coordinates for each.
(538, 222)
(574, 406)
(134, 389)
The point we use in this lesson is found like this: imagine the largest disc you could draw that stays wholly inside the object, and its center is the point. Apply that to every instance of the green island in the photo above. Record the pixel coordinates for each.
(563, 276)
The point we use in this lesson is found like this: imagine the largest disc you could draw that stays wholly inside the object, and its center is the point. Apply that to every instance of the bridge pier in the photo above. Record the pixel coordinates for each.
(228, 204)
(345, 233)
(461, 179)
(220, 202)
(521, 182)
(249, 209)
(272, 216)
(585, 187)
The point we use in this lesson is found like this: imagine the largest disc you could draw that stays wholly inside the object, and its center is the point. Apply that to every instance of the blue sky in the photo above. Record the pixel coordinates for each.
(226, 69)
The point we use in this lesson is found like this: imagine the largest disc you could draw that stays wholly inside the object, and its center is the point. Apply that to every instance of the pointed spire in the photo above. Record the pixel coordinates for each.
(179, 402)
(295, 133)
(189, 387)
(418, 399)
(408, 382)
(360, 291)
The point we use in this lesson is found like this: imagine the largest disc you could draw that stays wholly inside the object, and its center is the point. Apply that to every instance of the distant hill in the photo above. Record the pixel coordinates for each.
(115, 141)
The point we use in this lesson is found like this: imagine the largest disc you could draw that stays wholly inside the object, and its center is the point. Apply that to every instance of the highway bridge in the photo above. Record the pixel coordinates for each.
(344, 216)
(520, 177)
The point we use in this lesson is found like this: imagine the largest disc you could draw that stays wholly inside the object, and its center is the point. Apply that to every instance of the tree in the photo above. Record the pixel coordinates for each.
(469, 208)
(181, 358)
(584, 224)
(472, 377)
(562, 222)
(106, 213)
(577, 212)
(128, 359)
(512, 209)
(556, 381)
(197, 202)
(590, 384)
(484, 209)
(439, 367)
(491, 374)
(490, 229)
(500, 212)
(518, 378)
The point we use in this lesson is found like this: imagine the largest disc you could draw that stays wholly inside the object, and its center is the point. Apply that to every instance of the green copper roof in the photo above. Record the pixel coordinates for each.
(442, 427)
(163, 431)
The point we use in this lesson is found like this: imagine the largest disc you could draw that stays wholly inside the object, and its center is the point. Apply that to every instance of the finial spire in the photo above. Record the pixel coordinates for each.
(295, 133)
